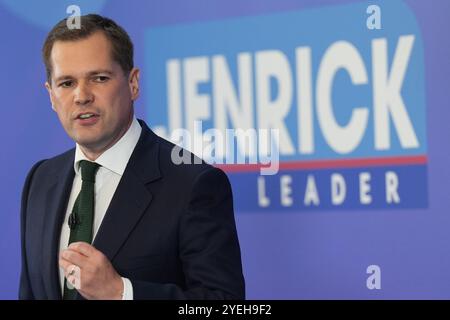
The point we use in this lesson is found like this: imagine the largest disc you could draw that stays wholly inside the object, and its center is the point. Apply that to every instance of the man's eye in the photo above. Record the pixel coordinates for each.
(101, 79)
(65, 84)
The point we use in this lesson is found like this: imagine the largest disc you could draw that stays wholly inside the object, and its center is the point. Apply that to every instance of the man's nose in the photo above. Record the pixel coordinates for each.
(83, 95)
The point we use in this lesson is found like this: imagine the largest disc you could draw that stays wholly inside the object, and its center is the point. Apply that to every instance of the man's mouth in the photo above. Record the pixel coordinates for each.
(86, 116)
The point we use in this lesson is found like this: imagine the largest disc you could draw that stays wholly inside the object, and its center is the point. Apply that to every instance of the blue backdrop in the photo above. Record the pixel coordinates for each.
(286, 64)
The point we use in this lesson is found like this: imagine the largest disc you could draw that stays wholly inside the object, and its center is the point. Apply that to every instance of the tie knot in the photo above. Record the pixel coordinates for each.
(88, 170)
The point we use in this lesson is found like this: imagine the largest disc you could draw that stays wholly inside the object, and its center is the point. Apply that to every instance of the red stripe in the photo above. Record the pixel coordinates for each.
(328, 164)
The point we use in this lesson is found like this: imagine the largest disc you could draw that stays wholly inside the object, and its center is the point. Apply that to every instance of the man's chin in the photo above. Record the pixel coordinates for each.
(89, 143)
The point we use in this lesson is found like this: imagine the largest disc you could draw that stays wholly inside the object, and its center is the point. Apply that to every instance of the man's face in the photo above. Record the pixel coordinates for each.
(90, 92)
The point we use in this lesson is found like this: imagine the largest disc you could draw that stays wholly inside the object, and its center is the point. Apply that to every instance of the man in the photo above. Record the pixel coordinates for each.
(115, 218)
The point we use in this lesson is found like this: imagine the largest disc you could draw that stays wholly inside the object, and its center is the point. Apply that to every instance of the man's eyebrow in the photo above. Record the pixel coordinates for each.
(89, 74)
(101, 71)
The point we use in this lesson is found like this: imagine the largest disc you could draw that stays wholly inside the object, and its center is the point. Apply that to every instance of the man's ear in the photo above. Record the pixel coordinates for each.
(133, 80)
(50, 94)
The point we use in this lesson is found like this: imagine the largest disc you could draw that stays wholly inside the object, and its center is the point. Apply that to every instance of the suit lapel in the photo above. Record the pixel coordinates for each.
(131, 197)
(126, 208)
(57, 198)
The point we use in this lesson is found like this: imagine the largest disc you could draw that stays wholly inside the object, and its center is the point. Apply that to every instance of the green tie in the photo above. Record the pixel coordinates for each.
(81, 220)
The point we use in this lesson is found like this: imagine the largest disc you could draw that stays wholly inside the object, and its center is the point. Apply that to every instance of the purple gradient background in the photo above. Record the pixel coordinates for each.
(317, 255)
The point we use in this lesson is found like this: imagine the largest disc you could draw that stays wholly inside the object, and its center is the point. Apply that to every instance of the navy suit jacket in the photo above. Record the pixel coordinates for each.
(169, 228)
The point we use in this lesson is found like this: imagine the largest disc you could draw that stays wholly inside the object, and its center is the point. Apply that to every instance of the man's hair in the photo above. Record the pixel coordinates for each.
(122, 47)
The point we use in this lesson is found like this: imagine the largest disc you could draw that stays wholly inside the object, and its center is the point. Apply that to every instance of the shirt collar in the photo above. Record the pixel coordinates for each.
(115, 158)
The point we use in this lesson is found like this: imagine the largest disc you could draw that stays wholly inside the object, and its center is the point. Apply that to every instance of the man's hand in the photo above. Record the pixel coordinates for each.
(98, 279)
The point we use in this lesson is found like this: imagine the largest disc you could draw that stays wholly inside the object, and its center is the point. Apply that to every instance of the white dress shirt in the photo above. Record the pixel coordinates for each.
(113, 162)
